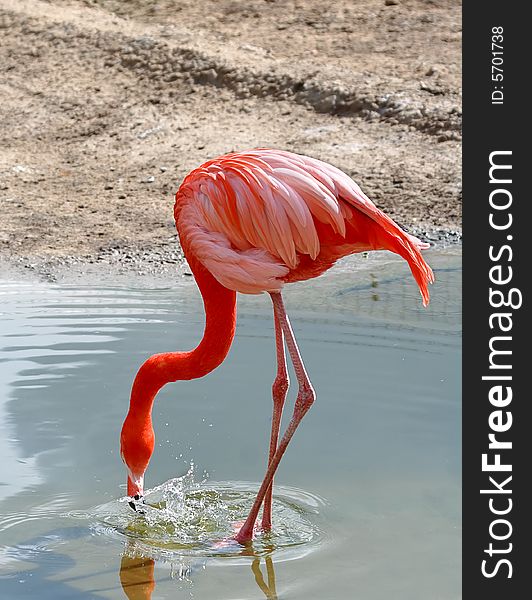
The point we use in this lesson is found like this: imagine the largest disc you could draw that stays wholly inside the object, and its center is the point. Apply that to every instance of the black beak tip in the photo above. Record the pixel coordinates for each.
(133, 505)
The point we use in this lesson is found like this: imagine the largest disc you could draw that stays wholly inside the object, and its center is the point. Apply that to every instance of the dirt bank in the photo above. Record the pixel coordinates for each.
(106, 104)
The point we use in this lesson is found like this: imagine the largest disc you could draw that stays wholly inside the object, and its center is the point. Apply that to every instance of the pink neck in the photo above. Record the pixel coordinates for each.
(160, 369)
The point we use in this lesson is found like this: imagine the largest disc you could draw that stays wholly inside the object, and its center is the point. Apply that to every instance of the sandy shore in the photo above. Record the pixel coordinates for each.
(105, 106)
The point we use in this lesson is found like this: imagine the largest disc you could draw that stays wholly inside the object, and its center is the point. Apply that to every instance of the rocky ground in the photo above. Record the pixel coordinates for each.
(106, 104)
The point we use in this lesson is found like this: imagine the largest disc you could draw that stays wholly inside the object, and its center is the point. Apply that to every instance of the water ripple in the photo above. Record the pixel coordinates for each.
(184, 518)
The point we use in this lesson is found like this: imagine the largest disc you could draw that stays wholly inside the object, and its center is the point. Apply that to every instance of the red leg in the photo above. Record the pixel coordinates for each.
(304, 401)
(279, 391)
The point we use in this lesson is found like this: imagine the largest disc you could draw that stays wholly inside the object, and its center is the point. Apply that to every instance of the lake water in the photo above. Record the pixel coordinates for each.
(367, 501)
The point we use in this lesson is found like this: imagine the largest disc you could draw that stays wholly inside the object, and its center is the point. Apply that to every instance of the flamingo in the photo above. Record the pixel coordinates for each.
(251, 222)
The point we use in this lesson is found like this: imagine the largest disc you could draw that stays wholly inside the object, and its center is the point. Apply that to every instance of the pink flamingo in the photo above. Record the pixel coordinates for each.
(251, 222)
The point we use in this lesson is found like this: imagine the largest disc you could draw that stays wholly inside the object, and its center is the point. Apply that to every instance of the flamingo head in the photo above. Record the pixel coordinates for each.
(136, 447)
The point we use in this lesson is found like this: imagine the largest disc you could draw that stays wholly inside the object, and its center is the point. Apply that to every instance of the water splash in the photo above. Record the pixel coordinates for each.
(183, 517)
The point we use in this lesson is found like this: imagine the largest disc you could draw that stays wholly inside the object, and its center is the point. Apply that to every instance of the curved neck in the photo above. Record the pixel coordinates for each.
(220, 324)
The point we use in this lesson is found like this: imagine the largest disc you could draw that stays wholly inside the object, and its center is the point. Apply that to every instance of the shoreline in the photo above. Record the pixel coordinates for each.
(147, 266)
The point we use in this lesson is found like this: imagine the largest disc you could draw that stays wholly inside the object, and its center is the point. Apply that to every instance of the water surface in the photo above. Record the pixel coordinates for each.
(368, 496)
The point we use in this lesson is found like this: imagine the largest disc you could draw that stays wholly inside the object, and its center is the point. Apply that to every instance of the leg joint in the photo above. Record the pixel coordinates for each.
(280, 387)
(305, 398)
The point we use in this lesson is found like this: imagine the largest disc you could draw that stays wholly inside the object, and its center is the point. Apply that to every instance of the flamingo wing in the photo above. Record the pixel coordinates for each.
(250, 217)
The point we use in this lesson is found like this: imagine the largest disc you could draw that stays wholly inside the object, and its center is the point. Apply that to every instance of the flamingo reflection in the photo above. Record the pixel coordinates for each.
(137, 576)
(268, 589)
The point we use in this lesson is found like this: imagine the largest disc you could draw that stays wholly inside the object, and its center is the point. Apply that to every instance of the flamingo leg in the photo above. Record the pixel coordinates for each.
(279, 391)
(305, 399)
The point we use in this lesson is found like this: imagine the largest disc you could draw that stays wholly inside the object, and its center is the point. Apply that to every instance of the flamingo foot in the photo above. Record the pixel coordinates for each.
(244, 534)
(230, 541)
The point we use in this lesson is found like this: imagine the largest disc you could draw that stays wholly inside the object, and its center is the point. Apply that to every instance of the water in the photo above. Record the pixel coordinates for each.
(367, 501)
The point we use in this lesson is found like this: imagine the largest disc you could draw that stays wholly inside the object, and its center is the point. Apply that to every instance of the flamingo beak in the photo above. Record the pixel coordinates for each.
(135, 489)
